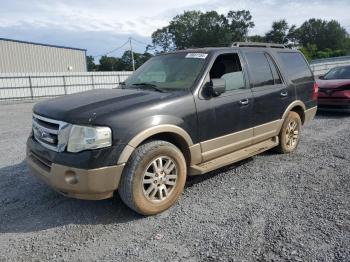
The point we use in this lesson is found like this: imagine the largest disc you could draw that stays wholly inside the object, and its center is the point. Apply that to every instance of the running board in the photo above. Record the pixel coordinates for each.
(233, 157)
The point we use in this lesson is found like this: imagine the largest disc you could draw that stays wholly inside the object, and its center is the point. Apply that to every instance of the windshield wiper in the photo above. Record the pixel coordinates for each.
(145, 84)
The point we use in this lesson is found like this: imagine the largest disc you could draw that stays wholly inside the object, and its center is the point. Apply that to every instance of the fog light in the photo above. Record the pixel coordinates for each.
(71, 177)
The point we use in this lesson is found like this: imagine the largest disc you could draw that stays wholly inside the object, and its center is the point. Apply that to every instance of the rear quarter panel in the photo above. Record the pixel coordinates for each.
(298, 75)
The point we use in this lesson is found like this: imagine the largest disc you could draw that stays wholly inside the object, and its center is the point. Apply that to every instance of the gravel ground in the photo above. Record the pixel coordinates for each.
(268, 208)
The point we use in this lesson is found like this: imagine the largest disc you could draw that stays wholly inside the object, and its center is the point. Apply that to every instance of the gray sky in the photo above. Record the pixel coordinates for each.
(103, 25)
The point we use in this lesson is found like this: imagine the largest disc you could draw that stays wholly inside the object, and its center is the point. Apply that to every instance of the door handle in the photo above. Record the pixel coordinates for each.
(244, 102)
(284, 93)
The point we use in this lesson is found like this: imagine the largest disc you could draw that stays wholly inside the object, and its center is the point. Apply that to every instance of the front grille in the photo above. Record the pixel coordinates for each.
(50, 133)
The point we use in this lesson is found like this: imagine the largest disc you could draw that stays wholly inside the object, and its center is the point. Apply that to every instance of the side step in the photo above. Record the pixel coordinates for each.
(233, 157)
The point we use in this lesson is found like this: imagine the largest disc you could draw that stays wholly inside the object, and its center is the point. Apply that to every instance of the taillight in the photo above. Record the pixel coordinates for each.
(315, 91)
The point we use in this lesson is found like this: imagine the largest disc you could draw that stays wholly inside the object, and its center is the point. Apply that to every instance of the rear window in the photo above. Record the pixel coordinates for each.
(296, 66)
(260, 69)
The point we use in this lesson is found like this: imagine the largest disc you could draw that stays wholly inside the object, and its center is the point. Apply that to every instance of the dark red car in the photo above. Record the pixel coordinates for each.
(334, 89)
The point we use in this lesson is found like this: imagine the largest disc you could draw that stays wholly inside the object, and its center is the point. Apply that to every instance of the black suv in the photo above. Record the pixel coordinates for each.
(181, 113)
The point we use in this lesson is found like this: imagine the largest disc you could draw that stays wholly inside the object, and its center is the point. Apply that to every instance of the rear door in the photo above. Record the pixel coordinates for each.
(271, 94)
(299, 75)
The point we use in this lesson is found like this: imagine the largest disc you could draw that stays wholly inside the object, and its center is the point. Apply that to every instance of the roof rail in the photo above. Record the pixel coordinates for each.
(257, 44)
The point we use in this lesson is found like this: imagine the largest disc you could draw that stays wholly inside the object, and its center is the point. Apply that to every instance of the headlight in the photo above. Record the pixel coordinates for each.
(85, 137)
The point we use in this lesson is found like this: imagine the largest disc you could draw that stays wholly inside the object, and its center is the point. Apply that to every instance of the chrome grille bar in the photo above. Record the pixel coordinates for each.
(50, 133)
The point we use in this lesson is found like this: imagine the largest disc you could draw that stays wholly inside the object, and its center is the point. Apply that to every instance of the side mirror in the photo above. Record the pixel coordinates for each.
(218, 86)
(321, 77)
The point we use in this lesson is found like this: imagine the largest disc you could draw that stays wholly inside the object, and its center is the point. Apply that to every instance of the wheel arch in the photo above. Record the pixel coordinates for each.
(170, 133)
(297, 106)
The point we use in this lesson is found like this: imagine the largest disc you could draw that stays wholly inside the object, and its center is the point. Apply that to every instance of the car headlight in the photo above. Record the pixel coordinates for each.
(86, 137)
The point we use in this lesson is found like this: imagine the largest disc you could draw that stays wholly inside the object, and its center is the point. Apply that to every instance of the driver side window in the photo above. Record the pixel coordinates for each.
(228, 67)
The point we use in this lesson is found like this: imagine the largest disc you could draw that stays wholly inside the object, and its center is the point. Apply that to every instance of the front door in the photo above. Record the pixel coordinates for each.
(225, 121)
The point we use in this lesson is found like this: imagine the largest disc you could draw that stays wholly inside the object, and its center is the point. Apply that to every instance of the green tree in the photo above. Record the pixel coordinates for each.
(239, 23)
(164, 39)
(278, 33)
(256, 38)
(347, 45)
(91, 66)
(123, 63)
(323, 34)
(109, 63)
(309, 51)
(292, 36)
(198, 29)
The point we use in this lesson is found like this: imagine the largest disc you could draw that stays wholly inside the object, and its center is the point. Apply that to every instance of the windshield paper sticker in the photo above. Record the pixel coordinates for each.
(196, 55)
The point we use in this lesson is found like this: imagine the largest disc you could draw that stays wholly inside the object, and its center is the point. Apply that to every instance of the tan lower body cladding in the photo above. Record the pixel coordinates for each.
(229, 143)
(214, 153)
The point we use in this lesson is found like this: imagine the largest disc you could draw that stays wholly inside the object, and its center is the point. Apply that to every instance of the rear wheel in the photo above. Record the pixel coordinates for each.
(290, 133)
(153, 178)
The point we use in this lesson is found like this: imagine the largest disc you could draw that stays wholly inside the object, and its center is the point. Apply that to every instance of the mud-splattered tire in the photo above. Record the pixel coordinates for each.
(153, 178)
(289, 135)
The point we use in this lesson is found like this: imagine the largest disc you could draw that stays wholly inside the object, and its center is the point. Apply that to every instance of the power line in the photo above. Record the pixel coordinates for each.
(140, 42)
(119, 47)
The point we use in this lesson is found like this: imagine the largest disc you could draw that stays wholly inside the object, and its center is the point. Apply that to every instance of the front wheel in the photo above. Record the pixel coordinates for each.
(289, 136)
(153, 178)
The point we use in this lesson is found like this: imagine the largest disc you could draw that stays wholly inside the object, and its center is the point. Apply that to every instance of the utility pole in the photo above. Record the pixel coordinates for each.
(132, 55)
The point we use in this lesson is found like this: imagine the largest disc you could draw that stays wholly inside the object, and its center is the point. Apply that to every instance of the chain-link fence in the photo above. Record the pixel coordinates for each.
(19, 86)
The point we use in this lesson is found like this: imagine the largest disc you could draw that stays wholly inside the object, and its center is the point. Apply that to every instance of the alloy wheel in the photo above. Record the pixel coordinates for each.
(160, 178)
(292, 134)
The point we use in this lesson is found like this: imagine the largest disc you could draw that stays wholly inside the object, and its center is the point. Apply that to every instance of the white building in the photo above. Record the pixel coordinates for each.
(27, 57)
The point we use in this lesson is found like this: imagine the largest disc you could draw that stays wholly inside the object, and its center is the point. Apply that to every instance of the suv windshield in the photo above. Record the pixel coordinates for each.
(170, 71)
(338, 73)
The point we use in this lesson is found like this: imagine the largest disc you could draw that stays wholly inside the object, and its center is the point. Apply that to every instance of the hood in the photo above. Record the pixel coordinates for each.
(332, 83)
(85, 107)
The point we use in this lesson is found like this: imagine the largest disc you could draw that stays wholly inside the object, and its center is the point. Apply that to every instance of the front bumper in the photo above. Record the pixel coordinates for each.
(91, 184)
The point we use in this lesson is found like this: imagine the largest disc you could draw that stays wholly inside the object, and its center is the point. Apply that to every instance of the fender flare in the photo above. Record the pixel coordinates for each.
(291, 106)
(147, 133)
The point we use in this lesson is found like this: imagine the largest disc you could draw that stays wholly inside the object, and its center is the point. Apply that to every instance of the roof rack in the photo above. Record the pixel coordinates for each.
(257, 44)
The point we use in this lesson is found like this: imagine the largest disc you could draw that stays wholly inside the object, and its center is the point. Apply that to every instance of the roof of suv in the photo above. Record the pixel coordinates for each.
(235, 46)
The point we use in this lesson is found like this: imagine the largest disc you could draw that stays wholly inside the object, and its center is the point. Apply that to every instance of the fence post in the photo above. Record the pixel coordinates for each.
(31, 87)
(92, 81)
(118, 79)
(64, 84)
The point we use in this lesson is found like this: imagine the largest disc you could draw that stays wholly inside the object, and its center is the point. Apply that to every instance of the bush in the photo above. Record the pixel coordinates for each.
(322, 54)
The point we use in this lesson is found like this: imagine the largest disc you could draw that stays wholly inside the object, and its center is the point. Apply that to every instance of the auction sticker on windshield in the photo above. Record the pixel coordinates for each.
(196, 55)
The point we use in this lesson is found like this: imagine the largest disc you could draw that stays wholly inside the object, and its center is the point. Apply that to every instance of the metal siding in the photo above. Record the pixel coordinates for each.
(17, 57)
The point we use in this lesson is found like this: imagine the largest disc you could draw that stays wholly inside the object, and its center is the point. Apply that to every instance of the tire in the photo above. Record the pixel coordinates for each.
(289, 135)
(146, 193)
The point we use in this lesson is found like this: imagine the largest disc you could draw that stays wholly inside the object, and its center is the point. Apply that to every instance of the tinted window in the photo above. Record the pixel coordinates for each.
(228, 67)
(296, 66)
(338, 73)
(276, 76)
(260, 69)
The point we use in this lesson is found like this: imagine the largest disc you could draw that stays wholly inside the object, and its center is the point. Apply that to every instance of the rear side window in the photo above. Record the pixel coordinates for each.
(260, 69)
(275, 73)
(296, 66)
